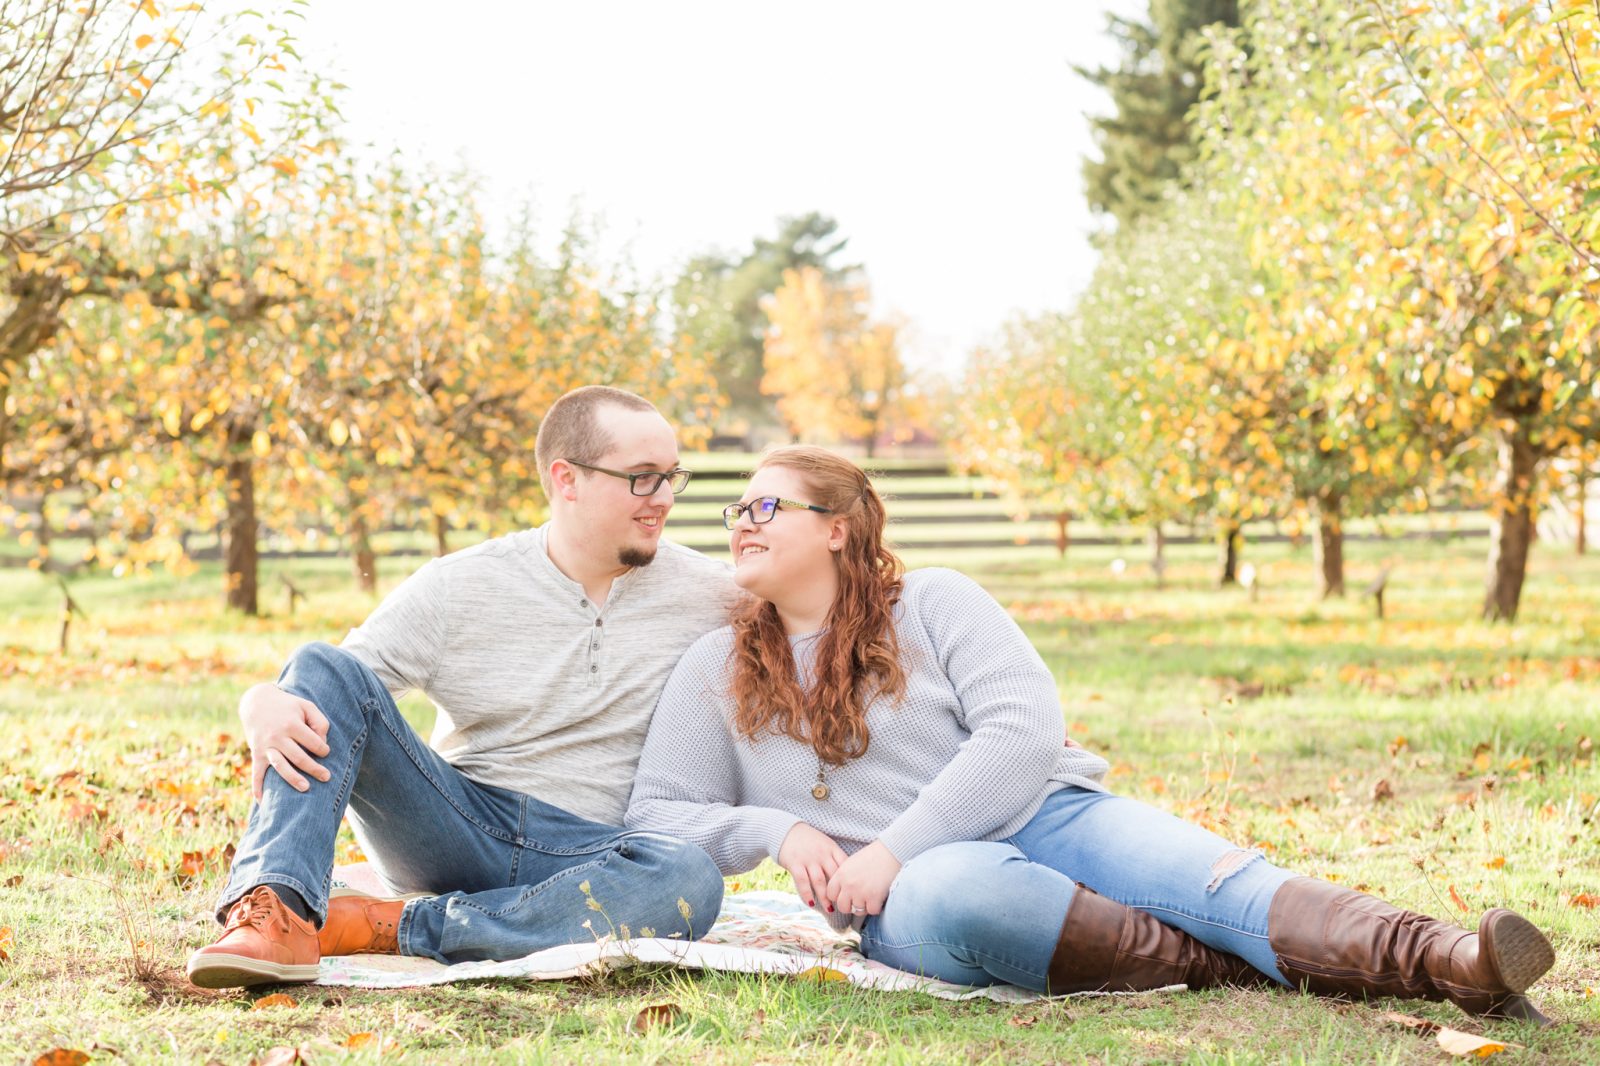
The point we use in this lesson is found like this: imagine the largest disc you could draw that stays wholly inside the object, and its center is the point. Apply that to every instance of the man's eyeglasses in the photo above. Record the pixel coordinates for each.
(761, 510)
(647, 483)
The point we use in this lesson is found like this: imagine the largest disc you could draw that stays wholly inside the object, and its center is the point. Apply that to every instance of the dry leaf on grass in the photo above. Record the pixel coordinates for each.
(753, 1030)
(277, 999)
(8, 943)
(283, 1056)
(1023, 1021)
(366, 1042)
(1462, 1044)
(14, 880)
(61, 1056)
(822, 973)
(1581, 899)
(659, 1015)
(1453, 1041)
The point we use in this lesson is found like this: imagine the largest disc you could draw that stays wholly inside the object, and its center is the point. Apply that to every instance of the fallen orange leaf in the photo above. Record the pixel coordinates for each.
(1496, 862)
(8, 943)
(1455, 897)
(822, 973)
(277, 999)
(1584, 899)
(661, 1014)
(61, 1056)
(358, 1041)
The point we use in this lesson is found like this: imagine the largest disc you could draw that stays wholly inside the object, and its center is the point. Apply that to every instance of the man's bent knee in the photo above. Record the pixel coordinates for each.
(690, 883)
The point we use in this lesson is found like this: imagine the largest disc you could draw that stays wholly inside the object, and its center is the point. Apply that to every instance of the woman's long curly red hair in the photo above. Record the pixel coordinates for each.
(857, 657)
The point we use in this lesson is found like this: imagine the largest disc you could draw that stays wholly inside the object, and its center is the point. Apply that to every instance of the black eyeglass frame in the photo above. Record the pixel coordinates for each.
(670, 477)
(734, 511)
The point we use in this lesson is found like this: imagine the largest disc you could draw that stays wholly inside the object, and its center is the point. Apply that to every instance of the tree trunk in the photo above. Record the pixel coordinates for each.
(366, 560)
(1512, 530)
(1330, 543)
(239, 544)
(1230, 545)
(441, 535)
(32, 322)
(1063, 537)
(1583, 512)
(1158, 554)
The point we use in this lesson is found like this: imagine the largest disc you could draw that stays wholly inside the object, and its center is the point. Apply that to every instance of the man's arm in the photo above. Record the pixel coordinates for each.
(401, 642)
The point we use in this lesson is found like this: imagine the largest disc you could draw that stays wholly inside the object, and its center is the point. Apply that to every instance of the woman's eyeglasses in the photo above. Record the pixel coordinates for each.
(762, 509)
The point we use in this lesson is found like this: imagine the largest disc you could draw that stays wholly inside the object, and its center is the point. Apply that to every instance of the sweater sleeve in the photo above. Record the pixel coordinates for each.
(404, 638)
(1009, 705)
(687, 784)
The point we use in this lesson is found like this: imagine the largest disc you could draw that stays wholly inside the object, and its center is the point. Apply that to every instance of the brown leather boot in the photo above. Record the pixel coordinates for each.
(1106, 947)
(361, 925)
(1337, 942)
(263, 942)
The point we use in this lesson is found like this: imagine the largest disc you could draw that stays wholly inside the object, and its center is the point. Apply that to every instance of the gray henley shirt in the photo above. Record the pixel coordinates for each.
(537, 689)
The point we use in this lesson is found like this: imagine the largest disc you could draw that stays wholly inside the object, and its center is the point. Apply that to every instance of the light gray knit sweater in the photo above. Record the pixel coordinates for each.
(970, 754)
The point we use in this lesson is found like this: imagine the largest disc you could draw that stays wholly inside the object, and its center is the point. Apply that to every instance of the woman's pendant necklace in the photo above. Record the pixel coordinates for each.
(820, 789)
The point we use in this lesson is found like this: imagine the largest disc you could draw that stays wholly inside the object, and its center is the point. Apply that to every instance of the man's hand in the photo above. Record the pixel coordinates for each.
(811, 857)
(861, 884)
(285, 732)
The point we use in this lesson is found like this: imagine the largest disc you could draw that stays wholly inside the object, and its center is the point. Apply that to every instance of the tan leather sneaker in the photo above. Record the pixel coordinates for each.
(263, 942)
(361, 925)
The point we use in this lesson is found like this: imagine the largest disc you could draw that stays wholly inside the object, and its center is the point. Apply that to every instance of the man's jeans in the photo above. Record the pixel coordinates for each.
(982, 912)
(513, 875)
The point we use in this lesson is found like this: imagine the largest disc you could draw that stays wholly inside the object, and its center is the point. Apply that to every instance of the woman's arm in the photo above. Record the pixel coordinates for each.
(1010, 705)
(687, 783)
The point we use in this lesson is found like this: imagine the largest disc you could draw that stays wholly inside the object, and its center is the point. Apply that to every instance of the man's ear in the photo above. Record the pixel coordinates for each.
(564, 476)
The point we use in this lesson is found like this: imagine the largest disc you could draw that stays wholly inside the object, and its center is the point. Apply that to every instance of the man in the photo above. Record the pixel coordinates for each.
(544, 652)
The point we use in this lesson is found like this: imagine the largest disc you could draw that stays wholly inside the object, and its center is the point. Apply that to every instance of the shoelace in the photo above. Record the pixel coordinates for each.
(255, 909)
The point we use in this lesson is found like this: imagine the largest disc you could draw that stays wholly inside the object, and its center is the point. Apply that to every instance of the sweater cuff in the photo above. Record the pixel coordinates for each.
(914, 832)
(774, 826)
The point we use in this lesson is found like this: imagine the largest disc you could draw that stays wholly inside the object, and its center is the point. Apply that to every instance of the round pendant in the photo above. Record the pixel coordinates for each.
(819, 790)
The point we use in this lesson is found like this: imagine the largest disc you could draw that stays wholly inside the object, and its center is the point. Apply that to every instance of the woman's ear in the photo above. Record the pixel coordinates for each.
(838, 534)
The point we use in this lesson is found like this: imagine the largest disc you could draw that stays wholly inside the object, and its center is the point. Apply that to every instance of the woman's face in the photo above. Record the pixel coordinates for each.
(790, 551)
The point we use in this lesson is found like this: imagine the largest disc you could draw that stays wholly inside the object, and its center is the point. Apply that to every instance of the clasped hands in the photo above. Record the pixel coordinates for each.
(827, 878)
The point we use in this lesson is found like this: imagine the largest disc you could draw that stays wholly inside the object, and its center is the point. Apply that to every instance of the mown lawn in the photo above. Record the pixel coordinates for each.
(1444, 763)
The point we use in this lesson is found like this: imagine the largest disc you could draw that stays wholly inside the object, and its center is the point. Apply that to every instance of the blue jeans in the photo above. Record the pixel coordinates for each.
(512, 874)
(982, 912)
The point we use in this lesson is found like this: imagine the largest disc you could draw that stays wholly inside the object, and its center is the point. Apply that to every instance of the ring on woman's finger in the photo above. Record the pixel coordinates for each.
(858, 910)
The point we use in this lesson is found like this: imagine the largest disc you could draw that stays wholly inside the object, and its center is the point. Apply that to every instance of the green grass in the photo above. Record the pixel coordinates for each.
(1409, 756)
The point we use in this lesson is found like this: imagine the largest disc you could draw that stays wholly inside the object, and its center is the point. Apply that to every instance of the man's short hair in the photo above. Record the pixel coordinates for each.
(571, 428)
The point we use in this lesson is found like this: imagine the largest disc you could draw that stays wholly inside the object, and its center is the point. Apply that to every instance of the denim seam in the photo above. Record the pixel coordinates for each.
(400, 738)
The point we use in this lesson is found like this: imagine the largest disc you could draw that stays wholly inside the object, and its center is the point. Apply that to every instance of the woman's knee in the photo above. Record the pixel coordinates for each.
(951, 885)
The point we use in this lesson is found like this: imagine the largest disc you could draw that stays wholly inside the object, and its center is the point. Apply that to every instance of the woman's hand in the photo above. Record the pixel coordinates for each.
(861, 884)
(811, 857)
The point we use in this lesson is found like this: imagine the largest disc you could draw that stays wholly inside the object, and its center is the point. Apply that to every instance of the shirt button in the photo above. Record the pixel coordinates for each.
(594, 669)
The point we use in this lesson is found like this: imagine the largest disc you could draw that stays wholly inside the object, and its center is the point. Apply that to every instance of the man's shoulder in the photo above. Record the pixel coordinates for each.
(494, 554)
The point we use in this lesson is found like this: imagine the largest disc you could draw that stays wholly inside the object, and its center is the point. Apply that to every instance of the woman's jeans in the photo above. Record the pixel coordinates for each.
(512, 874)
(984, 912)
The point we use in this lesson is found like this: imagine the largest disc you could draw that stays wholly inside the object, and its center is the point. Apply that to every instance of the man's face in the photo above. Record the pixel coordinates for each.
(606, 514)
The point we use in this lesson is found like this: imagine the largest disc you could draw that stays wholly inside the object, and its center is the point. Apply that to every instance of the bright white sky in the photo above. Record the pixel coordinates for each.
(946, 138)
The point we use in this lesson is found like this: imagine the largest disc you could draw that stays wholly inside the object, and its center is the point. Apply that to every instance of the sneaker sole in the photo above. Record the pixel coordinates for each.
(240, 971)
(1519, 951)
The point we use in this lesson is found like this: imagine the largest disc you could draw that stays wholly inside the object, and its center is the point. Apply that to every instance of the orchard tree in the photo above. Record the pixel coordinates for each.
(832, 369)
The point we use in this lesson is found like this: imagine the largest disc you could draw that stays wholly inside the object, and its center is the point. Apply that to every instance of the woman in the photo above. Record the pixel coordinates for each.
(871, 729)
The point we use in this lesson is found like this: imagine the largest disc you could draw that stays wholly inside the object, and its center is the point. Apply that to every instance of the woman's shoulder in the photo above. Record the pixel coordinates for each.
(710, 652)
(939, 583)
